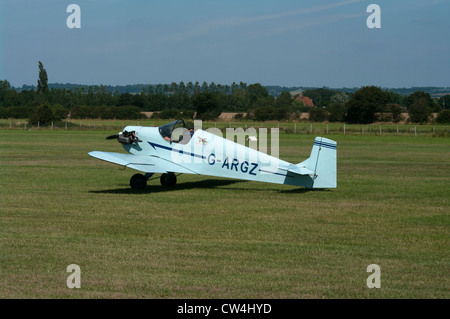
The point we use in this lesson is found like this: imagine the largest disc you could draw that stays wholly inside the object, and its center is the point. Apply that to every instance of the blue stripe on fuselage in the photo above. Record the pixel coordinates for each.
(154, 145)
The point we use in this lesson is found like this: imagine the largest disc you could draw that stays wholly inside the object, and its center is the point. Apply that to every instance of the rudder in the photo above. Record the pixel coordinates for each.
(323, 162)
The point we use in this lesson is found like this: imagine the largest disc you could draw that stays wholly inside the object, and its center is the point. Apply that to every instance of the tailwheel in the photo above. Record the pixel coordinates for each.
(138, 181)
(169, 179)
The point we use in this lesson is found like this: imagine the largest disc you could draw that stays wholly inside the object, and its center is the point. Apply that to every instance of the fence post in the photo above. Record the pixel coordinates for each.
(52, 125)
(38, 125)
(295, 128)
(327, 128)
(397, 129)
(380, 129)
(344, 129)
(415, 130)
(362, 129)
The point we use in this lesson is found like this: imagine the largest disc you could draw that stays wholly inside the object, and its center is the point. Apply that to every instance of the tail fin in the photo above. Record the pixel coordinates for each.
(323, 162)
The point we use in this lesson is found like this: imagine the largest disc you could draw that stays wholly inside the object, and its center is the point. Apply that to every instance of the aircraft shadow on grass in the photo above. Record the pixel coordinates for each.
(210, 183)
(204, 184)
(303, 190)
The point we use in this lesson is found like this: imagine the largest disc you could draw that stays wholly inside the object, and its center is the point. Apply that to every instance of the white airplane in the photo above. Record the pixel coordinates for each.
(173, 149)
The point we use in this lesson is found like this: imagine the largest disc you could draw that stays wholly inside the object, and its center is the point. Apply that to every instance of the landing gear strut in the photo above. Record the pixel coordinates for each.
(169, 179)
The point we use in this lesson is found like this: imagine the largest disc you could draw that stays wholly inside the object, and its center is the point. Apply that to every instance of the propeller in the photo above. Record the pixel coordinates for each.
(111, 137)
(125, 137)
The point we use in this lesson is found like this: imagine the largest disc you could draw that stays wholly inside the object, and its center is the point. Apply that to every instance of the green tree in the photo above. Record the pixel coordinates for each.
(281, 113)
(420, 110)
(444, 101)
(264, 102)
(337, 112)
(284, 99)
(339, 97)
(396, 112)
(239, 100)
(16, 112)
(443, 117)
(59, 112)
(42, 87)
(5, 86)
(127, 112)
(363, 106)
(264, 113)
(298, 106)
(396, 98)
(255, 91)
(207, 106)
(11, 98)
(82, 112)
(318, 114)
(42, 114)
(419, 95)
(320, 97)
(169, 114)
(125, 99)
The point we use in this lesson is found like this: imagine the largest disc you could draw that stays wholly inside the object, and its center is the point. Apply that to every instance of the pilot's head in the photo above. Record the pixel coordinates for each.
(189, 126)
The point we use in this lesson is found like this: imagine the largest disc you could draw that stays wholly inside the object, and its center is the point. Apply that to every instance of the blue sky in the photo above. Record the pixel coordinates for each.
(283, 42)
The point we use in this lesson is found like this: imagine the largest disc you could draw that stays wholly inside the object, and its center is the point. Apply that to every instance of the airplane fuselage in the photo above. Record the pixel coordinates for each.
(151, 150)
(209, 154)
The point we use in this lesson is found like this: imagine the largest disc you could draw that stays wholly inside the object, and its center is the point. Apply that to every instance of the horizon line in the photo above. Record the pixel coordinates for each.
(218, 83)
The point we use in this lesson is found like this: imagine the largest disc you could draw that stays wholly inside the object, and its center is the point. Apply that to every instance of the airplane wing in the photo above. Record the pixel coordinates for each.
(146, 164)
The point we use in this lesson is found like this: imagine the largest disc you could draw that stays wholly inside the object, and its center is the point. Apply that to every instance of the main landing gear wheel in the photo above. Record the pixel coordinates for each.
(138, 181)
(169, 179)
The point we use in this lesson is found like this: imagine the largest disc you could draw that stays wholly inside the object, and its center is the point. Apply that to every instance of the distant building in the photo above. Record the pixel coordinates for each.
(306, 100)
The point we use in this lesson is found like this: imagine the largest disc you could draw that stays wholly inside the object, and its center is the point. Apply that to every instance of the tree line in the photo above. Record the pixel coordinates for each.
(207, 101)
(372, 104)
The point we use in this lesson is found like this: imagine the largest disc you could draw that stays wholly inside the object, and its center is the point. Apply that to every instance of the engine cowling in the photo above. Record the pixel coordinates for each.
(125, 137)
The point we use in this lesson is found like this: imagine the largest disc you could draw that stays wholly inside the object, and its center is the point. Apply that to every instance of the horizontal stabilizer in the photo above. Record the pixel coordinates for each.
(300, 170)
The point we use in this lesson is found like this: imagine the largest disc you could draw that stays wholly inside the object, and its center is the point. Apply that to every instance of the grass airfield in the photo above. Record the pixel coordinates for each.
(210, 237)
